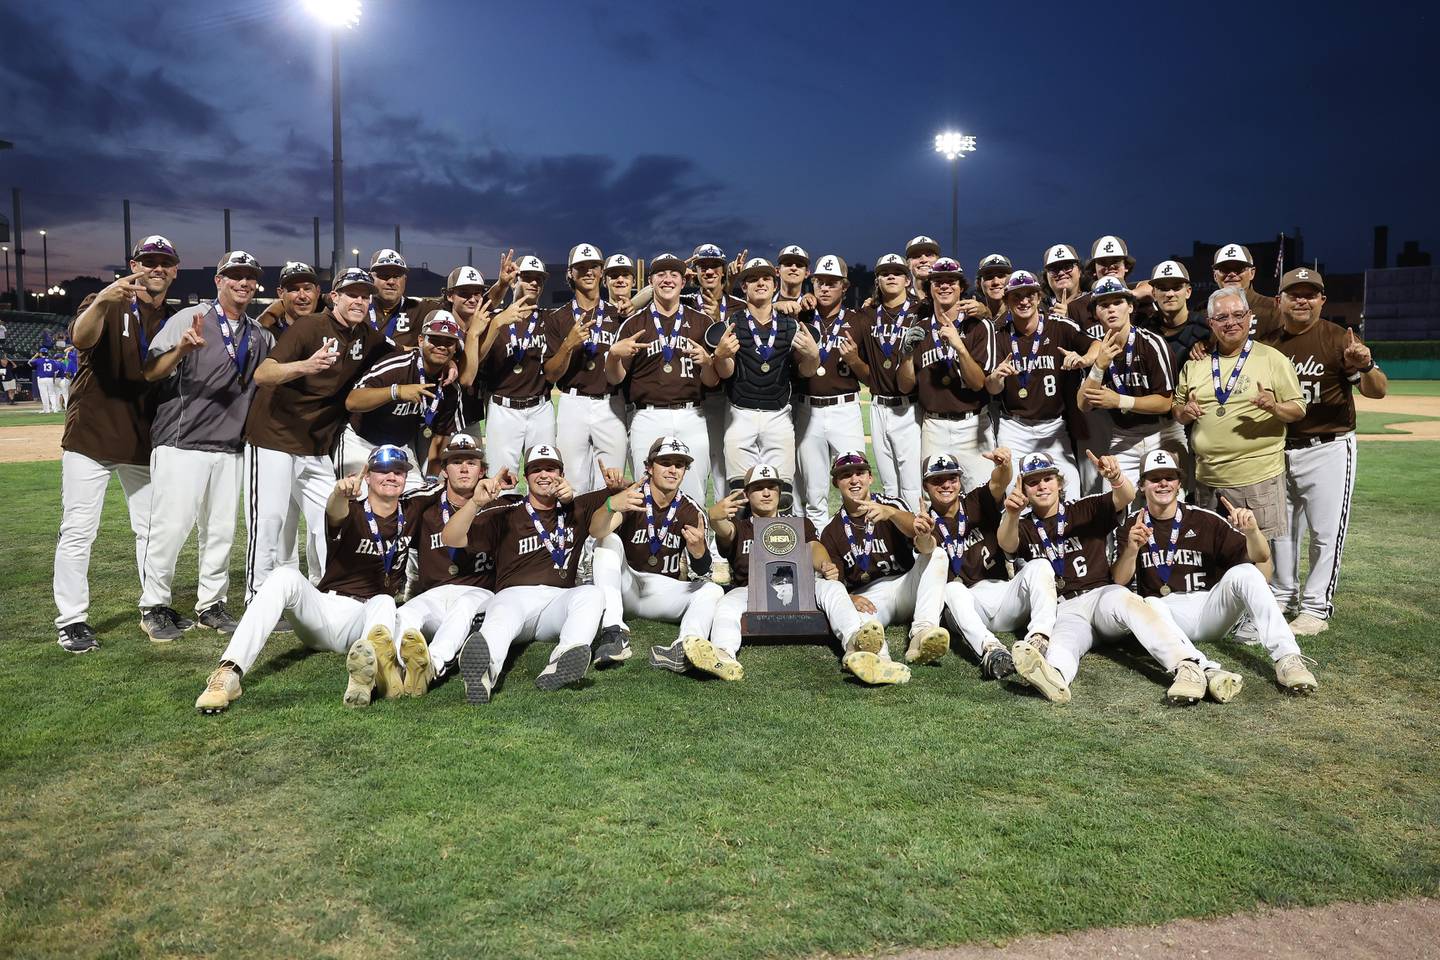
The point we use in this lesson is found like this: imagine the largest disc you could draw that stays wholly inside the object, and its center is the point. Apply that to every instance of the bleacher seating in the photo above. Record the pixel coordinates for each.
(24, 330)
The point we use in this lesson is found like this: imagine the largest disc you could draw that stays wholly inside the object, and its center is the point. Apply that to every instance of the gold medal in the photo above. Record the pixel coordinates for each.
(669, 368)
(1220, 410)
(864, 577)
(517, 369)
(819, 371)
(1059, 584)
(1165, 590)
(428, 432)
(653, 560)
(589, 364)
(887, 364)
(454, 569)
(946, 380)
(765, 368)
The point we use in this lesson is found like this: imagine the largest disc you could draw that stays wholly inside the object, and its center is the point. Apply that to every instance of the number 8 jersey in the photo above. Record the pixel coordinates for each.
(1039, 377)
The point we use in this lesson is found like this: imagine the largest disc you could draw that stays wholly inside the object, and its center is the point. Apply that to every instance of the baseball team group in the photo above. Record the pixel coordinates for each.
(1061, 457)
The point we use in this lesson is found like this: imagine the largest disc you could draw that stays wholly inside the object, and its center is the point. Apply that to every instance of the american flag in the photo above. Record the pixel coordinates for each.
(1280, 258)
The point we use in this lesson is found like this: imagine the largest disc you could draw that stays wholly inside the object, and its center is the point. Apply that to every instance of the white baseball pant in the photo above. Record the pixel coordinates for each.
(322, 621)
(1320, 481)
(190, 489)
(759, 436)
(1024, 437)
(1112, 611)
(83, 482)
(568, 615)
(510, 432)
(1207, 615)
(443, 614)
(355, 450)
(895, 436)
(275, 484)
(49, 396)
(646, 425)
(914, 597)
(589, 430)
(831, 599)
(1025, 602)
(965, 440)
(715, 408)
(653, 596)
(62, 387)
(823, 432)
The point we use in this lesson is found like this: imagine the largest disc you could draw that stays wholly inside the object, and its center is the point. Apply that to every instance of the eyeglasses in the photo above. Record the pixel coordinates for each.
(1060, 267)
(442, 343)
(1237, 317)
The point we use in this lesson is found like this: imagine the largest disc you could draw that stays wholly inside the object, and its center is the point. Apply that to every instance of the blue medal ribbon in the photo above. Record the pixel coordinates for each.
(513, 350)
(1055, 556)
(654, 535)
(889, 334)
(590, 345)
(953, 543)
(862, 557)
(1023, 367)
(833, 337)
(427, 412)
(667, 342)
(768, 347)
(1154, 550)
(1129, 362)
(140, 335)
(555, 545)
(1222, 396)
(946, 351)
(238, 355)
(391, 324)
(387, 555)
(444, 520)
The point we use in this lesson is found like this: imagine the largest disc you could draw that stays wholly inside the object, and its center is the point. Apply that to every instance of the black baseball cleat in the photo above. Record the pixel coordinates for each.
(996, 663)
(218, 618)
(671, 657)
(161, 624)
(78, 638)
(613, 648)
(568, 669)
(475, 669)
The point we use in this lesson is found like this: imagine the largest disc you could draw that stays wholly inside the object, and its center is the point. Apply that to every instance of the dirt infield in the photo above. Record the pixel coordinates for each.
(24, 444)
(1409, 930)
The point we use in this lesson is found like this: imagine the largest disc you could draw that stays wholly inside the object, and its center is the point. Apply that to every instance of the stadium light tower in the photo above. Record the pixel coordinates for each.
(45, 255)
(337, 15)
(954, 145)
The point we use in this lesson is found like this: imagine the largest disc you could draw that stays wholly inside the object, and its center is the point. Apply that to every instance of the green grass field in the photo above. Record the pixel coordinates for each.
(650, 815)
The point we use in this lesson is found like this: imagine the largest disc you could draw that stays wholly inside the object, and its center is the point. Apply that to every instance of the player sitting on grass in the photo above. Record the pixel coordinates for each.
(980, 598)
(734, 521)
(889, 577)
(353, 608)
(1073, 536)
(1202, 574)
(641, 534)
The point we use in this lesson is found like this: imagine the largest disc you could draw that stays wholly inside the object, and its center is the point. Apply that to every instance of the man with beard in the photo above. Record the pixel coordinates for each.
(299, 295)
(390, 308)
(894, 414)
(590, 422)
(352, 611)
(651, 554)
(1203, 573)
(107, 429)
(978, 597)
(204, 359)
(294, 424)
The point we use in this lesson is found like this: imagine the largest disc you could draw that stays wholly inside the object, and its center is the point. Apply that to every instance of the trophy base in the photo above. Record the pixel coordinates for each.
(809, 626)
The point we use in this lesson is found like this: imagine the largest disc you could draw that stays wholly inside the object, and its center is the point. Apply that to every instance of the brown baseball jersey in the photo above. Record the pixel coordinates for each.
(880, 550)
(1197, 555)
(586, 371)
(737, 551)
(405, 422)
(1040, 375)
(396, 324)
(111, 405)
(634, 534)
(355, 562)
(304, 416)
(938, 380)
(881, 347)
(968, 538)
(472, 567)
(1318, 354)
(1078, 533)
(1148, 372)
(515, 366)
(648, 382)
(522, 555)
(829, 333)
(1267, 314)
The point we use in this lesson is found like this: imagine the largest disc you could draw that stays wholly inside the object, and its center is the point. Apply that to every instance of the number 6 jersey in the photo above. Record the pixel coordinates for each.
(1077, 535)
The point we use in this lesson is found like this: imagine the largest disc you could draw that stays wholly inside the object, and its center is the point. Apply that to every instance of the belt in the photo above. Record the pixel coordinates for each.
(1314, 440)
(686, 405)
(521, 404)
(931, 415)
(892, 401)
(588, 396)
(832, 401)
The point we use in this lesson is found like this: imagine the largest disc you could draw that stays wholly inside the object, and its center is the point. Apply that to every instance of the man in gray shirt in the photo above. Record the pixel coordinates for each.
(204, 358)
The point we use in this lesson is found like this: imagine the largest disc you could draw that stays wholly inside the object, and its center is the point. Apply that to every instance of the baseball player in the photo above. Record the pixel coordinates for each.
(894, 413)
(978, 597)
(590, 422)
(714, 300)
(43, 371)
(295, 421)
(533, 544)
(948, 367)
(1181, 328)
(988, 300)
(1064, 283)
(69, 363)
(407, 399)
(647, 534)
(660, 359)
(1072, 536)
(887, 560)
(1320, 448)
(107, 428)
(753, 359)
(620, 285)
(204, 359)
(1110, 257)
(1233, 266)
(920, 253)
(390, 308)
(454, 584)
(860, 635)
(510, 362)
(1203, 573)
(1131, 381)
(352, 610)
(828, 419)
(792, 268)
(299, 297)
(1029, 380)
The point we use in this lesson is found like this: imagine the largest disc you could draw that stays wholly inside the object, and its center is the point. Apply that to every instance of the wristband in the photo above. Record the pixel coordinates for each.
(608, 506)
(1127, 403)
(1096, 374)
(394, 391)
(1372, 366)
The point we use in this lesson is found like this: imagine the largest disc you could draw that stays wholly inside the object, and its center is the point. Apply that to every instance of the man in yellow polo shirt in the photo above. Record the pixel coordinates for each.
(1239, 399)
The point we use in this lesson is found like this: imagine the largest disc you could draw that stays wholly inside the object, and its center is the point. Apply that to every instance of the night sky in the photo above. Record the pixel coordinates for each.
(643, 127)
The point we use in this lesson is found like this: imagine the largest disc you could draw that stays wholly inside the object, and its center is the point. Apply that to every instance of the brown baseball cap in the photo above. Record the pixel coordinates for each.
(1302, 275)
(462, 445)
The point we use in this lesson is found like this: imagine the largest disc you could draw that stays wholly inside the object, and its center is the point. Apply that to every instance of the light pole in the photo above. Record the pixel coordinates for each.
(954, 145)
(336, 14)
(356, 252)
(7, 267)
(45, 256)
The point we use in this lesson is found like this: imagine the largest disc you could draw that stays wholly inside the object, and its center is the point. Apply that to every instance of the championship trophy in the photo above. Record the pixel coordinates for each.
(782, 586)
